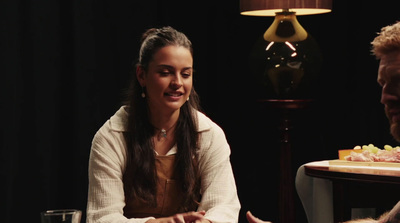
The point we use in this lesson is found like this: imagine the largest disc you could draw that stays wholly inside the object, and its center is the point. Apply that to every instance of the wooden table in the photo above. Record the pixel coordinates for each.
(359, 185)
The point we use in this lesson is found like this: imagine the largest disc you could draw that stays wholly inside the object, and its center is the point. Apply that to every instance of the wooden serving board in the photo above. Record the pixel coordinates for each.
(355, 163)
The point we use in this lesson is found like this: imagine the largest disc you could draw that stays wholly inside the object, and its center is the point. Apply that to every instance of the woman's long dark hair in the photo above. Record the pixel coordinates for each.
(140, 176)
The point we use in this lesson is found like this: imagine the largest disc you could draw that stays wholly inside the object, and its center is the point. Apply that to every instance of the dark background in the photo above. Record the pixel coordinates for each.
(65, 65)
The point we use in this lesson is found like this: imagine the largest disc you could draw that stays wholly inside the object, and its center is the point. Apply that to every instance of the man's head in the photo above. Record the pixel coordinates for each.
(386, 48)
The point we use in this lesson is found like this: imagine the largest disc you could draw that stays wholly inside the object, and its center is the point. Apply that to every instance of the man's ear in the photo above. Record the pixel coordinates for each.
(140, 75)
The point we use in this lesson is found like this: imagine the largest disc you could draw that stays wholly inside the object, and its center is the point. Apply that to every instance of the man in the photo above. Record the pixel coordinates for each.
(386, 48)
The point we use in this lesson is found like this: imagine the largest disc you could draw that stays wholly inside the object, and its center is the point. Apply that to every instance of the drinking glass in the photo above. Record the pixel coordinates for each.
(61, 216)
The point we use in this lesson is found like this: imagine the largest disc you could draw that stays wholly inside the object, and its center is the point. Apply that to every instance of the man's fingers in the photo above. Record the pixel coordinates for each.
(252, 219)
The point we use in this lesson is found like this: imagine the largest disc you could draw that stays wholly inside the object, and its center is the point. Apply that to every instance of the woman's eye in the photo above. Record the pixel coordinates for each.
(186, 74)
(164, 73)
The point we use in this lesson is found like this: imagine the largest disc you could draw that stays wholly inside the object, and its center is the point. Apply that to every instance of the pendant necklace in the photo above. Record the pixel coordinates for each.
(163, 132)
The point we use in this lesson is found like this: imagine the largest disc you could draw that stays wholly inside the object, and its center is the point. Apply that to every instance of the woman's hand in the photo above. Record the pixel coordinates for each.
(188, 217)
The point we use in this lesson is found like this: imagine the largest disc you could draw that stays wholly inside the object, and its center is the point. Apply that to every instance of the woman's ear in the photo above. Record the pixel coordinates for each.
(140, 75)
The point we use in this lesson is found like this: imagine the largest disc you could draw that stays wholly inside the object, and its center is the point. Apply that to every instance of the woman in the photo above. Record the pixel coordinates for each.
(159, 159)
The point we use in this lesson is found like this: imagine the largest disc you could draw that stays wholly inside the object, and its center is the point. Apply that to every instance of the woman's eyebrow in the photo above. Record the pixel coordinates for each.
(187, 68)
(172, 67)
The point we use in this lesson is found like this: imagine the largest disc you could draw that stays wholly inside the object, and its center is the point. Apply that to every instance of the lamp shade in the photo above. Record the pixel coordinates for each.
(270, 7)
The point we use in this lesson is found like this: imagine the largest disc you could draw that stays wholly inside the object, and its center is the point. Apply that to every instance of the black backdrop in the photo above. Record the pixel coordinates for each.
(65, 64)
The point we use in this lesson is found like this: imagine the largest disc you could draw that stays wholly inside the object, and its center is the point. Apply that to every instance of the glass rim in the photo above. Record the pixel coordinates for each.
(61, 212)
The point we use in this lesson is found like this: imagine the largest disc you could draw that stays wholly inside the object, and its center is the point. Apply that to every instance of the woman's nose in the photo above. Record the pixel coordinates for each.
(176, 82)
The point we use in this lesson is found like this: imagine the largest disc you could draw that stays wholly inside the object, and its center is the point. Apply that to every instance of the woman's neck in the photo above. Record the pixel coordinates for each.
(164, 121)
(164, 127)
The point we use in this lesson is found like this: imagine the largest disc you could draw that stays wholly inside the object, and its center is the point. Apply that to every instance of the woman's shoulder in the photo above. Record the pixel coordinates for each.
(114, 125)
(206, 124)
(213, 140)
(110, 136)
(118, 122)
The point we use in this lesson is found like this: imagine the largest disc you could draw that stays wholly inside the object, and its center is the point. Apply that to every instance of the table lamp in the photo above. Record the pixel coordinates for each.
(287, 59)
(287, 62)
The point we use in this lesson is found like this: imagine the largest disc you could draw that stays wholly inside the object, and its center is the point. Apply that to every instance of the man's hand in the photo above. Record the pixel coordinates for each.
(252, 219)
(393, 216)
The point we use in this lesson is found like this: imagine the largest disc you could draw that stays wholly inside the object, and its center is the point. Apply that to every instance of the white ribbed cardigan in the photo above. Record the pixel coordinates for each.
(106, 198)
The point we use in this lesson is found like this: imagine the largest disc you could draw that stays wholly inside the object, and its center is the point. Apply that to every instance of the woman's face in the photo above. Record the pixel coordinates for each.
(168, 80)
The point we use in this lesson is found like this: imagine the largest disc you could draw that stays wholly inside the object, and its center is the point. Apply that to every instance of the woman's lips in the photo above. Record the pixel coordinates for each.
(174, 95)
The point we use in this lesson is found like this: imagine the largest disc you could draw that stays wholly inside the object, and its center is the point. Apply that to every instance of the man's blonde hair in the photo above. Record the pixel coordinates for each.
(387, 41)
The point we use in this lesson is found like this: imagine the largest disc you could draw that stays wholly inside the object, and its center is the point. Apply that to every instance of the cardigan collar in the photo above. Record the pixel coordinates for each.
(118, 122)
